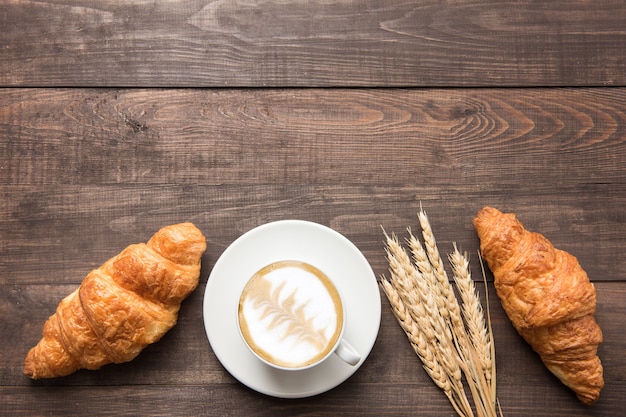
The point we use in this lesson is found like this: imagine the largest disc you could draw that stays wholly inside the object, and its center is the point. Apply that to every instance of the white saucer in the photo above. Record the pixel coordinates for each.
(300, 240)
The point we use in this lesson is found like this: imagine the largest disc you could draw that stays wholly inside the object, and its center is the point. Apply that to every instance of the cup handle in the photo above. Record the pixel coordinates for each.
(347, 353)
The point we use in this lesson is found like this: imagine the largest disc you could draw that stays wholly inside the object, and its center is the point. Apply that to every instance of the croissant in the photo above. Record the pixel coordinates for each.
(132, 300)
(548, 298)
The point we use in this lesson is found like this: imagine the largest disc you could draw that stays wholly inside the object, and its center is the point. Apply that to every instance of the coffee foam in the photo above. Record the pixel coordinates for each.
(290, 314)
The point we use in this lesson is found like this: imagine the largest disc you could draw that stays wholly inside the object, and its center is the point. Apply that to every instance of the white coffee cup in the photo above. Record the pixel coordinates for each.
(291, 316)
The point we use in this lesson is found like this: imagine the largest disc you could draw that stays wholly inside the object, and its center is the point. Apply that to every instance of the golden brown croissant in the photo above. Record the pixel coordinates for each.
(548, 297)
(132, 300)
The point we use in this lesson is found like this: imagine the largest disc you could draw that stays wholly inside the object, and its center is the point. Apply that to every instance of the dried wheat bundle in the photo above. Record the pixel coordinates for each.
(453, 339)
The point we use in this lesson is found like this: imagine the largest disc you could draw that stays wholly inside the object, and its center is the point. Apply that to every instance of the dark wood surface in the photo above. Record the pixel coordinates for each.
(117, 118)
(320, 43)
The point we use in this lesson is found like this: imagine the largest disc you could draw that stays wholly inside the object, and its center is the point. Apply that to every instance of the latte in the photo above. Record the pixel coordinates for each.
(290, 314)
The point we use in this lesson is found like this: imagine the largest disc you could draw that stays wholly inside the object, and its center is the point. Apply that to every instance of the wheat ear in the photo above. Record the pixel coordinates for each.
(476, 346)
(416, 295)
(472, 310)
(419, 302)
(423, 349)
(445, 287)
(450, 338)
(416, 338)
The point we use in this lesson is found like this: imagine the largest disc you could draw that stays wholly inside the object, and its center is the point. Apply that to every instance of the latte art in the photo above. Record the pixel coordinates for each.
(290, 314)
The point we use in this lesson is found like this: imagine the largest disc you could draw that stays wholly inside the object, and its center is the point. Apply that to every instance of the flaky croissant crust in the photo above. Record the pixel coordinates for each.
(548, 297)
(132, 300)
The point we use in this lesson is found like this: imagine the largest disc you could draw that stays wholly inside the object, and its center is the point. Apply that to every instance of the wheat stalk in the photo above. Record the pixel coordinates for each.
(445, 288)
(410, 290)
(451, 339)
(417, 339)
(415, 293)
(472, 310)
(477, 346)
(425, 350)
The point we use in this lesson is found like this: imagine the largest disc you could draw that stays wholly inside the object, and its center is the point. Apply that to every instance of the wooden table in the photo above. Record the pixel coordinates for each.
(117, 118)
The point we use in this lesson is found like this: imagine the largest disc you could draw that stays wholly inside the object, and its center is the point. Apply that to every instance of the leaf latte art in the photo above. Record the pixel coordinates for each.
(290, 314)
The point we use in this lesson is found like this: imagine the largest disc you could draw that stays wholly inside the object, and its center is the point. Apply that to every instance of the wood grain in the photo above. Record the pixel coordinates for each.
(251, 43)
(117, 118)
(85, 172)
(313, 136)
(75, 228)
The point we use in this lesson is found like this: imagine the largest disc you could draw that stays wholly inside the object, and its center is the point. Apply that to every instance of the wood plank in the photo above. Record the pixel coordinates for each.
(56, 234)
(314, 136)
(302, 43)
(180, 376)
(354, 400)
